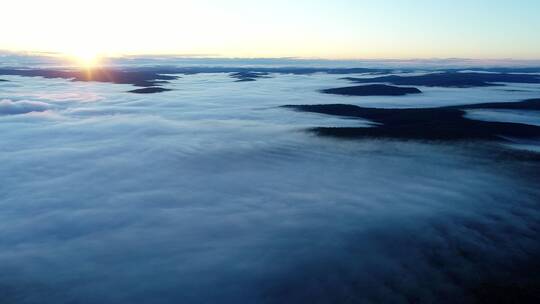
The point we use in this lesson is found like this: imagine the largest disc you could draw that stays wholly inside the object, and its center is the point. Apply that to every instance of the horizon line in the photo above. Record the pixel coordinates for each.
(55, 54)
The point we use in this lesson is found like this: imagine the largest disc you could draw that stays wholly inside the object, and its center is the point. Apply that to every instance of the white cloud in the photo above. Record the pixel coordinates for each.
(10, 107)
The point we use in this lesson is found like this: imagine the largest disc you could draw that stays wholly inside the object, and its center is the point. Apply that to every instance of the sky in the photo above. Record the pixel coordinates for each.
(339, 29)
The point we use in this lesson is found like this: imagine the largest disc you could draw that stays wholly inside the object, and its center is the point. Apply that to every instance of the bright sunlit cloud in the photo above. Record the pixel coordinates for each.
(277, 28)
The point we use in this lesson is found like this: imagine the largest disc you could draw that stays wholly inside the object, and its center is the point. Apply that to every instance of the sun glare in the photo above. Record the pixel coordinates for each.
(86, 59)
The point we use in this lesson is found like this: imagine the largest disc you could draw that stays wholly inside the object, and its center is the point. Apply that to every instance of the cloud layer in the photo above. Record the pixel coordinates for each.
(10, 107)
(212, 193)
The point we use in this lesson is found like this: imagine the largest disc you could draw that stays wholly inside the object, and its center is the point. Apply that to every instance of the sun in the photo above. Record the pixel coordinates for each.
(85, 58)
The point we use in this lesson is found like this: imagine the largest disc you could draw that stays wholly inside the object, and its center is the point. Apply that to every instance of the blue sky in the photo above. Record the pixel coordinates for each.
(240, 28)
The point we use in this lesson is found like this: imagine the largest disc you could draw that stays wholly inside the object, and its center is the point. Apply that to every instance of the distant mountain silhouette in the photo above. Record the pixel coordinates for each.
(149, 90)
(372, 90)
(157, 76)
(249, 76)
(134, 77)
(442, 123)
(451, 79)
(149, 76)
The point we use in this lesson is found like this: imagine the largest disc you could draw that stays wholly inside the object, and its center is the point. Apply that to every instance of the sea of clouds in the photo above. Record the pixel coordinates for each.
(211, 193)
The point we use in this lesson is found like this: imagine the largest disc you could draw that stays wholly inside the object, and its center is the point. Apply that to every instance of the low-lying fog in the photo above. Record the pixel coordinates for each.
(211, 193)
